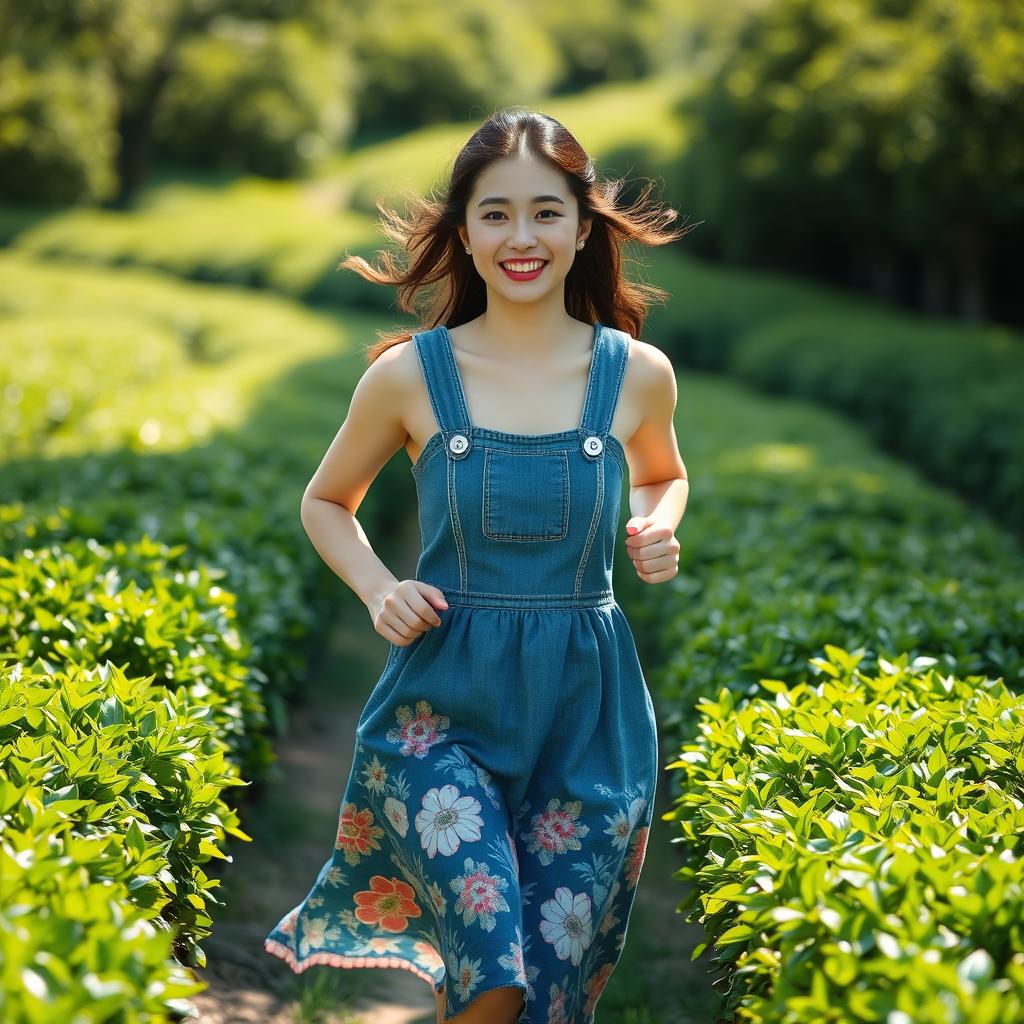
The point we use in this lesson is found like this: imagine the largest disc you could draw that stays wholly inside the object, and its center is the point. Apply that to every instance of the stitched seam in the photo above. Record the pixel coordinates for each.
(523, 537)
(422, 359)
(595, 518)
(453, 511)
(456, 380)
(592, 375)
(613, 400)
(426, 454)
(490, 593)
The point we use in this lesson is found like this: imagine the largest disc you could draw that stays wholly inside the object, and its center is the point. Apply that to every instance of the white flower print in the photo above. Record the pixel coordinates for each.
(315, 930)
(466, 976)
(619, 829)
(395, 811)
(567, 924)
(447, 818)
(377, 944)
(335, 876)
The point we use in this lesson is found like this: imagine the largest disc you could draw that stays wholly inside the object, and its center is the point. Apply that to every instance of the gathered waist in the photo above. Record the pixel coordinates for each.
(480, 599)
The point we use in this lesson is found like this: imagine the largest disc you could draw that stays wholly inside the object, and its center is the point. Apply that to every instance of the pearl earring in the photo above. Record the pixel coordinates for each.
(468, 249)
(580, 245)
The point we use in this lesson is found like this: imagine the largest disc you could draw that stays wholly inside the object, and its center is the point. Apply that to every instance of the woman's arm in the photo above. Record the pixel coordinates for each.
(371, 433)
(659, 486)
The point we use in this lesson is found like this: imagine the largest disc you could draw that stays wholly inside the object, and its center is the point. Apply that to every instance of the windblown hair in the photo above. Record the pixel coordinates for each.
(595, 287)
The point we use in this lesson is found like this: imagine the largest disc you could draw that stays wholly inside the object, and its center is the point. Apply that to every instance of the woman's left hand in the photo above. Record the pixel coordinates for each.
(653, 548)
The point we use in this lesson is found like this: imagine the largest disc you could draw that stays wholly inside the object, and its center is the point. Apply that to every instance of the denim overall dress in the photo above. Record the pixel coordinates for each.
(496, 816)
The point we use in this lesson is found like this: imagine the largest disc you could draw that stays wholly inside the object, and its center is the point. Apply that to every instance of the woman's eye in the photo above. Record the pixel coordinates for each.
(487, 216)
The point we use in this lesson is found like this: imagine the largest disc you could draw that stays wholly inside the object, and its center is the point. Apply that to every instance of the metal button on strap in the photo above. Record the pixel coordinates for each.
(458, 443)
(593, 445)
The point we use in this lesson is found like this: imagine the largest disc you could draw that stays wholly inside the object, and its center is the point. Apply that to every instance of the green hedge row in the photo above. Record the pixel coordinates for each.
(110, 800)
(175, 587)
(800, 537)
(942, 395)
(855, 845)
(798, 534)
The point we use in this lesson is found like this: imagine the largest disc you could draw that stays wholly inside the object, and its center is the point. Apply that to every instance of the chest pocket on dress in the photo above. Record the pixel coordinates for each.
(526, 495)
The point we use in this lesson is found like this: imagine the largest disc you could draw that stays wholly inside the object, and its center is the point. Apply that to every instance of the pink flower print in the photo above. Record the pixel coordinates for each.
(635, 858)
(567, 924)
(479, 894)
(396, 813)
(513, 960)
(594, 986)
(288, 924)
(556, 829)
(419, 732)
(447, 818)
(556, 1003)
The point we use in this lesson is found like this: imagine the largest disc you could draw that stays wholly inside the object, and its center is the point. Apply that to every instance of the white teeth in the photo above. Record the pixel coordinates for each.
(523, 267)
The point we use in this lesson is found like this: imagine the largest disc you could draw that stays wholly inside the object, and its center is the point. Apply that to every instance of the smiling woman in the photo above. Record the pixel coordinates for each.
(495, 819)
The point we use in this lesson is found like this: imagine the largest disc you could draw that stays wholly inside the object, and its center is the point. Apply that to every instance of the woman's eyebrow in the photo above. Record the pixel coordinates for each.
(504, 201)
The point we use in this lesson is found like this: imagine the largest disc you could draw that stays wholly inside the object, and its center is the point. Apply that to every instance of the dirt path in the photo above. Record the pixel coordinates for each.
(293, 824)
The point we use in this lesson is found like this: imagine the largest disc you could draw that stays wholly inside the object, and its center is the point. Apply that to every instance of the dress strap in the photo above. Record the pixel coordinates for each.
(440, 373)
(611, 353)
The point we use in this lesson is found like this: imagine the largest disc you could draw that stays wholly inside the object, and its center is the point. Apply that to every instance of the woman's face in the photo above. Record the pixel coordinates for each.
(521, 211)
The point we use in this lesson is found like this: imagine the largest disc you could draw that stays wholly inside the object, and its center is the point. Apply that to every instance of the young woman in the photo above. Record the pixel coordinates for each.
(495, 820)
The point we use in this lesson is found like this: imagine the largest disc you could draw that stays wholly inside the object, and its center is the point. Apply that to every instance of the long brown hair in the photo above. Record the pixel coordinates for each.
(596, 288)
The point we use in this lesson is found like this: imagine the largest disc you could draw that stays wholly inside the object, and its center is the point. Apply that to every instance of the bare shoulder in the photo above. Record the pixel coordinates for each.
(652, 370)
(392, 375)
(649, 387)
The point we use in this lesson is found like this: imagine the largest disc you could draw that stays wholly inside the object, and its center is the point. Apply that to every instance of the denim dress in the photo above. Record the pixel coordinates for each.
(495, 820)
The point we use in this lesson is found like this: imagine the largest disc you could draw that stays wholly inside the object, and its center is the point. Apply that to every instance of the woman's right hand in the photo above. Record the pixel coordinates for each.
(406, 611)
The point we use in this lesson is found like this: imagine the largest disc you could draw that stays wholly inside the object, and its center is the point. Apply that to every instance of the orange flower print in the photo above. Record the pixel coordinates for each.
(419, 732)
(387, 903)
(556, 830)
(357, 834)
(594, 985)
(635, 857)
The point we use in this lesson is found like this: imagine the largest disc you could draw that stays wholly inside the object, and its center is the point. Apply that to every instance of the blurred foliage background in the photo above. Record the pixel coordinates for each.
(877, 144)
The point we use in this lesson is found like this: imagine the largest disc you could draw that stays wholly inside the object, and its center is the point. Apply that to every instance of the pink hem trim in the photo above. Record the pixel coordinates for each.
(280, 950)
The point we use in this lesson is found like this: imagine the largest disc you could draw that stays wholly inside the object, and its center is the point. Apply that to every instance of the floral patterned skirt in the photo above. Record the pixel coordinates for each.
(495, 820)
